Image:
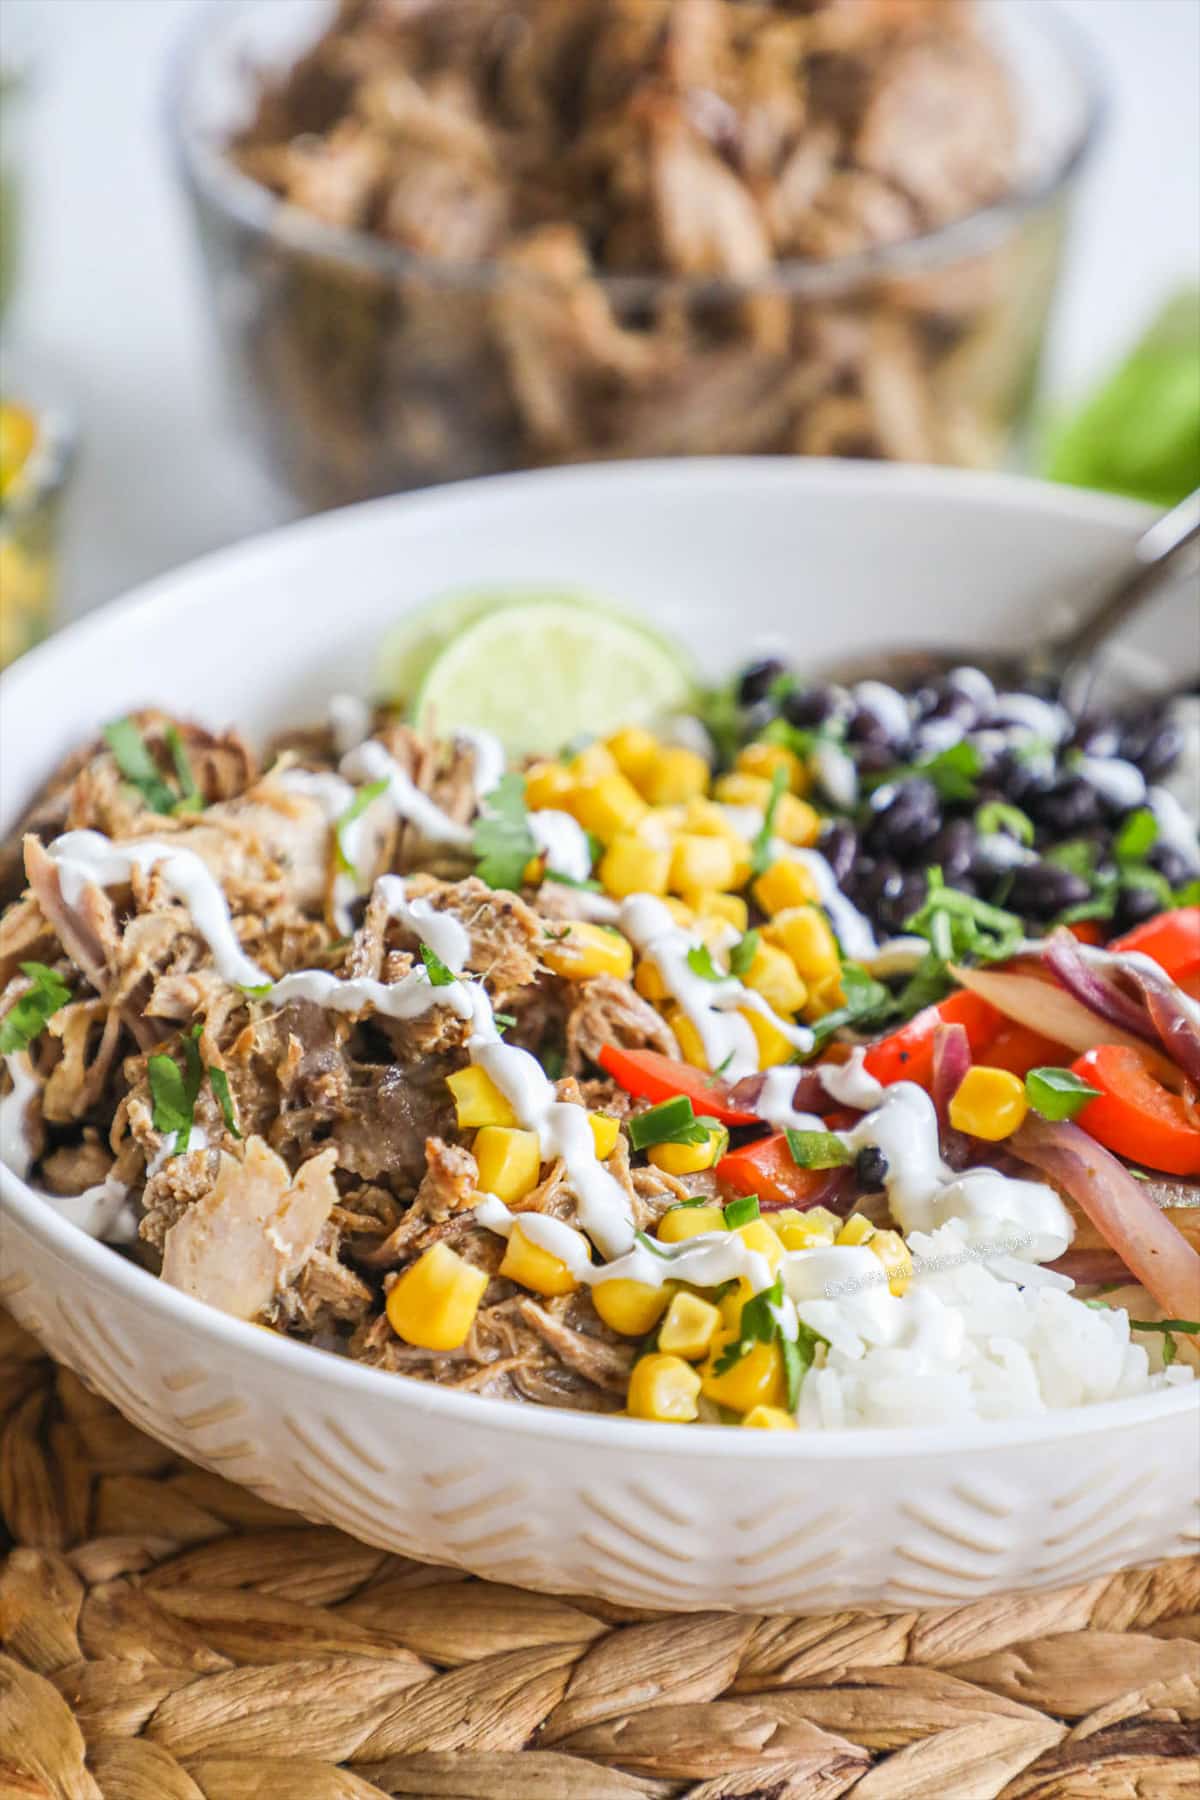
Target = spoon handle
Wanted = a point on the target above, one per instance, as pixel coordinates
(1154, 555)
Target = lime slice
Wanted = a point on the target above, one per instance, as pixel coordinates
(543, 672)
(414, 643)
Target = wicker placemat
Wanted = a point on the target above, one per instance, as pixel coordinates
(167, 1636)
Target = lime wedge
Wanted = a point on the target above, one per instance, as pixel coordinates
(541, 672)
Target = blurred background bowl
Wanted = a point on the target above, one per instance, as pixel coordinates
(359, 368)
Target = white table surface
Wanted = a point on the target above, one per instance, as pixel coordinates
(111, 302)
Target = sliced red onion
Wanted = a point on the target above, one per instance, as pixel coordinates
(951, 1060)
(1177, 1031)
(809, 1095)
(1097, 991)
(1153, 1249)
(1090, 1267)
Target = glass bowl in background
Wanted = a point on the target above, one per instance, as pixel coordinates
(36, 443)
(360, 368)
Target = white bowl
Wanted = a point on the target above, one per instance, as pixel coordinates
(823, 557)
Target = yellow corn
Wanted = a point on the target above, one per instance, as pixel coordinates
(689, 1159)
(769, 1418)
(825, 995)
(608, 807)
(633, 750)
(691, 1044)
(605, 1132)
(772, 973)
(663, 1387)
(478, 1100)
(699, 863)
(681, 1222)
(804, 932)
(773, 1046)
(731, 909)
(756, 1379)
(586, 950)
(630, 1307)
(811, 1230)
(689, 1326)
(857, 1230)
(783, 886)
(680, 911)
(433, 1304)
(795, 821)
(893, 1253)
(706, 818)
(743, 790)
(632, 866)
(675, 776)
(649, 982)
(547, 785)
(592, 763)
(530, 1266)
(990, 1103)
(764, 759)
(731, 1303)
(509, 1160)
(757, 1235)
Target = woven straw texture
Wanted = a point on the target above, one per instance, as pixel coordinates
(167, 1636)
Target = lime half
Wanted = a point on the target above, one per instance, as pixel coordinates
(542, 672)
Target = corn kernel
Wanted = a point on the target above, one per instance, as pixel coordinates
(691, 1044)
(547, 785)
(607, 807)
(783, 886)
(659, 824)
(649, 982)
(731, 1303)
(689, 1326)
(990, 1103)
(632, 866)
(772, 973)
(605, 1132)
(858, 1229)
(769, 1418)
(796, 822)
(586, 950)
(804, 932)
(731, 909)
(701, 862)
(756, 1379)
(676, 775)
(763, 759)
(530, 1266)
(592, 763)
(663, 1387)
(477, 1099)
(434, 1302)
(743, 790)
(773, 1046)
(630, 1307)
(811, 1230)
(681, 1222)
(756, 1234)
(895, 1256)
(825, 995)
(689, 1159)
(509, 1161)
(633, 750)
(680, 911)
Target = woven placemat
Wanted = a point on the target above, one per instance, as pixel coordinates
(167, 1636)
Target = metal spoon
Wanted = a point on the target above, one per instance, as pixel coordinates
(1070, 658)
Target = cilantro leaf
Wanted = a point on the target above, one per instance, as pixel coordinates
(743, 953)
(817, 1149)
(1058, 1094)
(1137, 836)
(357, 807)
(998, 816)
(173, 1091)
(218, 1080)
(137, 765)
(760, 849)
(190, 798)
(700, 962)
(435, 968)
(954, 771)
(798, 1354)
(867, 1002)
(26, 1018)
(503, 843)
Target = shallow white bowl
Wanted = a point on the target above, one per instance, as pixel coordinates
(822, 557)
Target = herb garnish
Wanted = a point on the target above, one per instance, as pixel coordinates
(817, 1149)
(572, 881)
(1058, 1094)
(743, 953)
(670, 1122)
(760, 1325)
(218, 1080)
(714, 1080)
(137, 764)
(1191, 1327)
(999, 816)
(867, 1002)
(959, 928)
(355, 810)
(26, 1018)
(503, 843)
(954, 771)
(742, 1212)
(700, 962)
(760, 848)
(1137, 836)
(174, 1091)
(439, 975)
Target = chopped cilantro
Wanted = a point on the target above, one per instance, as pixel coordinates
(355, 810)
(1137, 836)
(439, 975)
(219, 1083)
(504, 1020)
(760, 1325)
(954, 771)
(998, 815)
(714, 1080)
(700, 962)
(670, 1122)
(27, 1017)
(503, 843)
(190, 798)
(760, 849)
(648, 1243)
(867, 1003)
(553, 1062)
(136, 763)
(173, 1091)
(959, 925)
(1058, 1094)
(1076, 855)
(817, 1149)
(743, 954)
(572, 881)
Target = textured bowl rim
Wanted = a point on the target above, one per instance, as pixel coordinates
(208, 173)
(103, 1268)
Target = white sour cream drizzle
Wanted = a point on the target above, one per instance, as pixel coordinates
(774, 1102)
(16, 1150)
(490, 759)
(852, 929)
(335, 797)
(102, 1211)
(349, 721)
(371, 762)
(197, 1140)
(563, 842)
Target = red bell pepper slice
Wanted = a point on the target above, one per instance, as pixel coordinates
(767, 1168)
(1018, 1049)
(907, 1054)
(1172, 940)
(1135, 1115)
(648, 1075)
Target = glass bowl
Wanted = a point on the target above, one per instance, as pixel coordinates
(36, 446)
(360, 368)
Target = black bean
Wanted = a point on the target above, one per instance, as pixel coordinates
(1154, 745)
(839, 847)
(1019, 778)
(909, 820)
(806, 707)
(1040, 889)
(1096, 735)
(866, 727)
(953, 849)
(953, 703)
(1070, 806)
(1171, 864)
(873, 759)
(757, 680)
(871, 1168)
(890, 895)
(1135, 904)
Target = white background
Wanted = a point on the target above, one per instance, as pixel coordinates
(112, 307)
